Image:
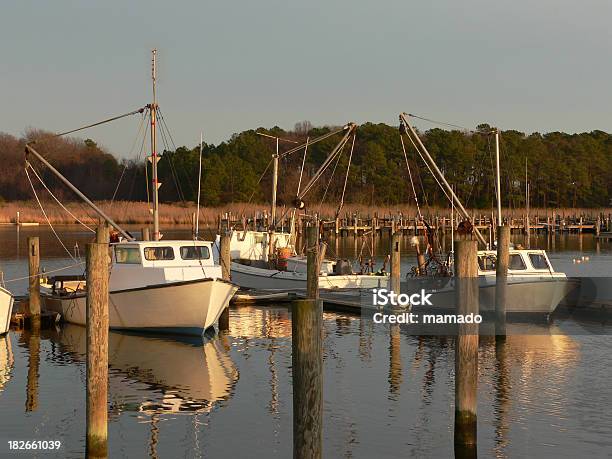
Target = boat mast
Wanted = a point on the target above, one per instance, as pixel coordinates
(274, 186)
(498, 178)
(197, 222)
(154, 158)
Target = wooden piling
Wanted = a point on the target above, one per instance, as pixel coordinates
(34, 282)
(97, 263)
(501, 280)
(466, 348)
(312, 261)
(307, 367)
(225, 258)
(145, 234)
(395, 251)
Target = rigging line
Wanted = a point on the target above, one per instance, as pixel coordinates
(441, 122)
(140, 110)
(144, 138)
(45, 215)
(416, 200)
(302, 169)
(348, 168)
(330, 179)
(57, 200)
(80, 263)
(430, 170)
(165, 125)
(167, 154)
(125, 166)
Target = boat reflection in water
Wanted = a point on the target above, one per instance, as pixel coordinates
(161, 374)
(6, 360)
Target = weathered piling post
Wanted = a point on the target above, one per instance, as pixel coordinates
(97, 263)
(145, 234)
(501, 280)
(312, 262)
(225, 259)
(466, 348)
(34, 282)
(598, 225)
(307, 360)
(396, 252)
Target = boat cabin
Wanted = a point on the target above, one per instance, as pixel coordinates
(521, 262)
(157, 262)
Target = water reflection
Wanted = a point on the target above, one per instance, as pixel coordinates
(6, 360)
(155, 375)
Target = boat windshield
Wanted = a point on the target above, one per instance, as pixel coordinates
(487, 262)
(128, 255)
(193, 252)
(159, 253)
(538, 261)
(516, 262)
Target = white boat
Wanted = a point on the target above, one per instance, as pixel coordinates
(167, 286)
(6, 309)
(533, 285)
(157, 286)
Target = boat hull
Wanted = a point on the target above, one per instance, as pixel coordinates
(251, 277)
(524, 295)
(181, 307)
(6, 309)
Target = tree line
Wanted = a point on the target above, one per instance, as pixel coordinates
(563, 170)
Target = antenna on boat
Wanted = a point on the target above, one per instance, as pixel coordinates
(197, 222)
(154, 158)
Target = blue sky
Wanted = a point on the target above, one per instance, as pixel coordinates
(226, 66)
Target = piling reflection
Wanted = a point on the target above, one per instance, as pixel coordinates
(6, 360)
(155, 375)
(31, 340)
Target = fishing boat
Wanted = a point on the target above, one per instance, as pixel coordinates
(157, 286)
(6, 309)
(269, 260)
(533, 285)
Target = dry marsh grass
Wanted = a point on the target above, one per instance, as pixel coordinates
(125, 212)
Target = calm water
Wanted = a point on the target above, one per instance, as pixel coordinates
(386, 393)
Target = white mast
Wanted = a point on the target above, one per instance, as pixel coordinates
(197, 222)
(498, 188)
(154, 159)
(274, 186)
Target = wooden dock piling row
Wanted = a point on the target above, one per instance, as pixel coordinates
(543, 221)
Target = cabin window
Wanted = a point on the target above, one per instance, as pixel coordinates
(195, 252)
(538, 261)
(158, 253)
(516, 262)
(127, 255)
(487, 262)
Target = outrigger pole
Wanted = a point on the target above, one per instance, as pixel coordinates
(100, 212)
(442, 182)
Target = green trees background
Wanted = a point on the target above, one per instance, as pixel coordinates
(564, 170)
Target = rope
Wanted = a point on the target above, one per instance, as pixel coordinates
(348, 168)
(57, 200)
(47, 218)
(140, 110)
(129, 154)
(302, 169)
(440, 122)
(416, 200)
(46, 272)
